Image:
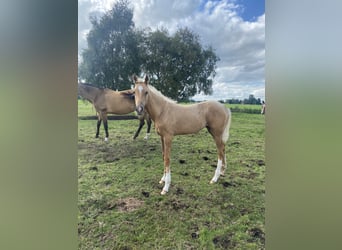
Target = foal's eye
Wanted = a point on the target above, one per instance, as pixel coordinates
(146, 93)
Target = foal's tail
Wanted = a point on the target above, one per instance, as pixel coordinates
(225, 134)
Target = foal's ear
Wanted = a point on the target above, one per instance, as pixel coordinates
(146, 80)
(134, 78)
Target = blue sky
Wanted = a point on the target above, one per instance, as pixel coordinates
(252, 9)
(234, 28)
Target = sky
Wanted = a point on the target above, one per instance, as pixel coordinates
(235, 29)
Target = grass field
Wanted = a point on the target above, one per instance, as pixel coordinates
(120, 206)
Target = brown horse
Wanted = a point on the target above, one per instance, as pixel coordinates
(107, 101)
(172, 119)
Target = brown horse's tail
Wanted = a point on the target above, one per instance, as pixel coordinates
(225, 134)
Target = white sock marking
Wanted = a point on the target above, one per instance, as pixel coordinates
(167, 182)
(225, 165)
(106, 138)
(162, 180)
(217, 171)
(147, 136)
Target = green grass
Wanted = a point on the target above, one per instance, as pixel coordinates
(245, 108)
(85, 108)
(193, 214)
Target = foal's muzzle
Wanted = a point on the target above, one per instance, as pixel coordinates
(140, 109)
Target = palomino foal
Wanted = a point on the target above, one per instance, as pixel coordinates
(172, 119)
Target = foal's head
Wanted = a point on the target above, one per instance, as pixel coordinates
(141, 94)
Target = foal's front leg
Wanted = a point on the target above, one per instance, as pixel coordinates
(148, 133)
(166, 146)
(141, 124)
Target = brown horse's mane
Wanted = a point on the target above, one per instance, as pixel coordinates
(128, 94)
(91, 85)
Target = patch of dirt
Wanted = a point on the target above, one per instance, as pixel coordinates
(235, 143)
(94, 168)
(126, 204)
(228, 184)
(179, 191)
(260, 163)
(125, 248)
(195, 232)
(195, 235)
(224, 241)
(244, 211)
(107, 182)
(252, 175)
(256, 233)
(146, 194)
(249, 175)
(112, 159)
(248, 165)
(177, 204)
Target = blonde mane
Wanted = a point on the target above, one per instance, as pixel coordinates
(158, 93)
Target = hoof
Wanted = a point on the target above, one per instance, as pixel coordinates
(106, 139)
(163, 192)
(212, 182)
(161, 182)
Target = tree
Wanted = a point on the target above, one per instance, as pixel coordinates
(112, 55)
(252, 100)
(233, 101)
(179, 66)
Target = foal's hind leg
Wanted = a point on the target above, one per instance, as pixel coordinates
(162, 180)
(98, 127)
(105, 124)
(221, 161)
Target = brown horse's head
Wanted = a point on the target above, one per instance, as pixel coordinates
(141, 94)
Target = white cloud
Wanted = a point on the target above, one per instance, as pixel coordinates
(239, 44)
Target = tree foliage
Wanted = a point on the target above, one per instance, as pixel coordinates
(252, 100)
(178, 65)
(112, 51)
